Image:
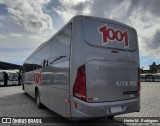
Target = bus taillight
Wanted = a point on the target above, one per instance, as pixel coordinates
(79, 90)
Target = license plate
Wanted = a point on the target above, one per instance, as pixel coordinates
(116, 109)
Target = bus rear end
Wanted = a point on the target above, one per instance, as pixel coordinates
(107, 80)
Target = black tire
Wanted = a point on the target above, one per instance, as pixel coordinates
(110, 117)
(5, 84)
(22, 86)
(24, 89)
(38, 102)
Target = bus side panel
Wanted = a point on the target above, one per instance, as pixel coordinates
(56, 87)
(51, 62)
(29, 85)
(56, 100)
(77, 55)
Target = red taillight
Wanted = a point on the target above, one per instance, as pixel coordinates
(79, 90)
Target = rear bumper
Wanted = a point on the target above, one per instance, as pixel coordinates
(85, 109)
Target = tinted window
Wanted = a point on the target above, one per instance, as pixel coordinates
(41, 58)
(149, 77)
(60, 45)
(29, 65)
(157, 76)
(142, 77)
(13, 76)
(56, 50)
(1, 77)
(37, 61)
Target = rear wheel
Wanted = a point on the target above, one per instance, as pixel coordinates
(110, 117)
(38, 102)
(24, 89)
(22, 86)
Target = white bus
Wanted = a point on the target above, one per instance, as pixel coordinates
(143, 77)
(1, 78)
(149, 77)
(10, 77)
(90, 68)
(157, 77)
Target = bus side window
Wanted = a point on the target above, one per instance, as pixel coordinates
(29, 65)
(61, 42)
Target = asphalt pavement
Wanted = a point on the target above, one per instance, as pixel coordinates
(15, 103)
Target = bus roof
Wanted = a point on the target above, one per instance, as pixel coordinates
(9, 71)
(156, 74)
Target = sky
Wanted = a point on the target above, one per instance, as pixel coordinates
(25, 25)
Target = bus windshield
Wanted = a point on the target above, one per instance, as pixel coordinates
(142, 76)
(13, 76)
(157, 76)
(1, 77)
(149, 76)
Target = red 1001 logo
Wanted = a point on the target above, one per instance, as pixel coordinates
(37, 77)
(113, 34)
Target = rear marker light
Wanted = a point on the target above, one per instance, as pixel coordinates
(90, 99)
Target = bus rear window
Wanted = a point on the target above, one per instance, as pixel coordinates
(107, 34)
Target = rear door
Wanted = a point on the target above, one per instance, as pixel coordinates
(112, 66)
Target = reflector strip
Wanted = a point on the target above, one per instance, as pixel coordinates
(92, 99)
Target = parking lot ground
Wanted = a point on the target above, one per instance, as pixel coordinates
(15, 103)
